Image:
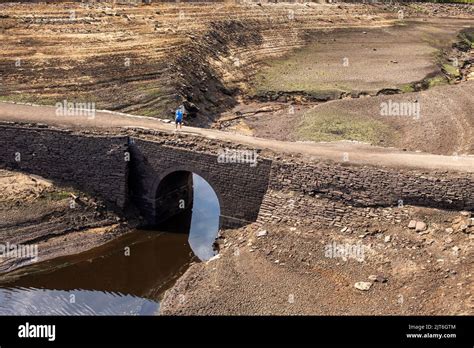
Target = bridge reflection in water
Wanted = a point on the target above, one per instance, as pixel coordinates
(127, 276)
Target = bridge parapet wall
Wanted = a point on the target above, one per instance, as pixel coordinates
(93, 164)
(368, 186)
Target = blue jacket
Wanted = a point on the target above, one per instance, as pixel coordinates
(179, 115)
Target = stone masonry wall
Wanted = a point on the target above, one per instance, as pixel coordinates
(336, 195)
(291, 208)
(93, 164)
(367, 186)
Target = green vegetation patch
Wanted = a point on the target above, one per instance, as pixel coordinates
(295, 72)
(451, 70)
(437, 81)
(407, 88)
(152, 101)
(56, 195)
(317, 126)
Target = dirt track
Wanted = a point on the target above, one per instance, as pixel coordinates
(356, 152)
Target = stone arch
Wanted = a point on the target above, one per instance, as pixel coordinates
(183, 168)
(155, 191)
(239, 187)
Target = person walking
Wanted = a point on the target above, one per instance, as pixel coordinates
(179, 117)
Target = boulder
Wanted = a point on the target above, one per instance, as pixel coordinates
(420, 226)
(363, 286)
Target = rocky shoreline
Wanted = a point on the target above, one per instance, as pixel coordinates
(400, 261)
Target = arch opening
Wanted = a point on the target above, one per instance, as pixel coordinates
(186, 203)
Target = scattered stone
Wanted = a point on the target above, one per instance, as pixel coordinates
(261, 233)
(420, 226)
(412, 224)
(364, 286)
(387, 239)
(466, 213)
(449, 230)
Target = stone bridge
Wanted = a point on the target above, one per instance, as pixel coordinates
(127, 171)
(239, 187)
(150, 169)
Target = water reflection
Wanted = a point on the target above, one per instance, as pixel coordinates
(30, 301)
(127, 276)
(205, 219)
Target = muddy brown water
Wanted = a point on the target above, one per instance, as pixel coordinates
(127, 276)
